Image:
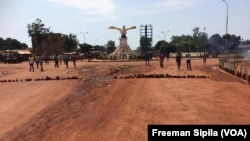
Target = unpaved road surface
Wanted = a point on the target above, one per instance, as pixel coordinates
(102, 105)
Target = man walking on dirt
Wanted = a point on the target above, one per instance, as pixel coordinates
(188, 60)
(40, 59)
(178, 60)
(73, 58)
(56, 59)
(31, 63)
(66, 60)
(161, 59)
(204, 58)
(146, 56)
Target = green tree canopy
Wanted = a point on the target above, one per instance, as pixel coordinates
(145, 44)
(11, 44)
(159, 44)
(38, 32)
(85, 48)
(37, 28)
(69, 43)
(110, 46)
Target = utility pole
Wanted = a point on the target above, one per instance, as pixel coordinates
(84, 35)
(226, 25)
(164, 33)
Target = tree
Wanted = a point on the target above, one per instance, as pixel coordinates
(196, 39)
(199, 42)
(158, 45)
(178, 41)
(37, 28)
(38, 33)
(69, 43)
(145, 44)
(110, 46)
(196, 32)
(11, 44)
(217, 44)
(233, 41)
(24, 46)
(100, 48)
(203, 41)
(15, 44)
(164, 48)
(85, 48)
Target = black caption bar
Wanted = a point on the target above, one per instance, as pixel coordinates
(199, 132)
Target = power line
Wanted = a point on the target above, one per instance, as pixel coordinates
(238, 12)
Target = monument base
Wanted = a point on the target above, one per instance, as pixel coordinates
(123, 51)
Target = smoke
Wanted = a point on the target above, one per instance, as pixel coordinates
(216, 46)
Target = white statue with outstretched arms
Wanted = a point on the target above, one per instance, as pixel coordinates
(122, 30)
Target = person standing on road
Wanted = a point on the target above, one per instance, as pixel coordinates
(66, 59)
(73, 58)
(61, 59)
(36, 58)
(167, 56)
(188, 60)
(31, 63)
(178, 60)
(161, 59)
(41, 62)
(146, 56)
(204, 58)
(56, 59)
(47, 59)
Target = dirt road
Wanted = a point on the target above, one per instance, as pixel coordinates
(100, 107)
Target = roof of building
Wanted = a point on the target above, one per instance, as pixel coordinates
(20, 51)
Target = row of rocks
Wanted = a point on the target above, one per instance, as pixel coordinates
(41, 79)
(161, 76)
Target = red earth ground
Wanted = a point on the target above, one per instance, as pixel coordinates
(102, 105)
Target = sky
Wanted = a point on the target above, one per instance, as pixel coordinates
(89, 19)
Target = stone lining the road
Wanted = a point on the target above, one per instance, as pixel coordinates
(47, 78)
(160, 76)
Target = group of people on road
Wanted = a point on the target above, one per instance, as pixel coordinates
(39, 59)
(178, 60)
(66, 59)
(188, 60)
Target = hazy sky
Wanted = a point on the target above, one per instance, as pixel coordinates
(95, 16)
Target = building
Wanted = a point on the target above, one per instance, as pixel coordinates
(14, 56)
(47, 44)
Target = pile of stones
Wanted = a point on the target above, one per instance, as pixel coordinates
(47, 78)
(160, 76)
